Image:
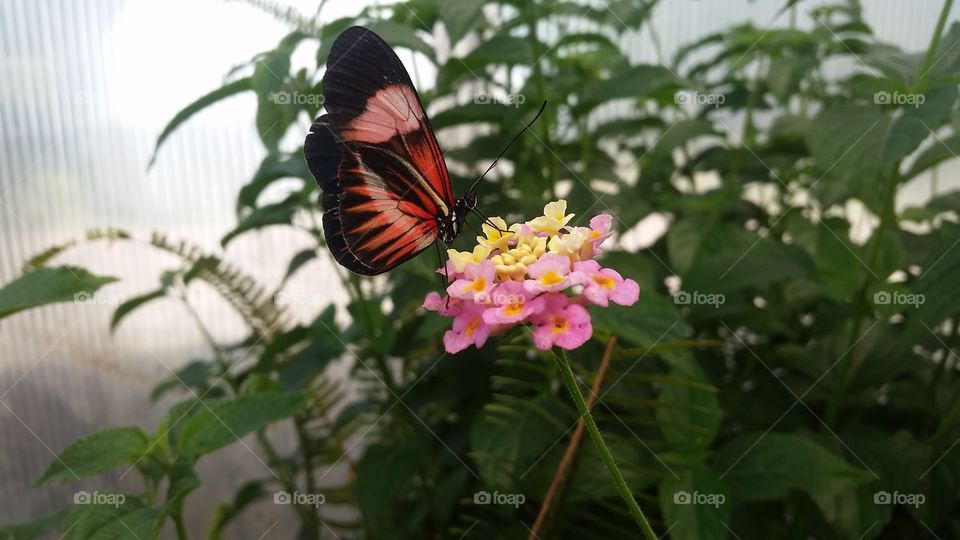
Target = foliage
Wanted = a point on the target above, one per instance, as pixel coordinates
(797, 376)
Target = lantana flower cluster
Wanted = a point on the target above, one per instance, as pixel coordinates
(542, 273)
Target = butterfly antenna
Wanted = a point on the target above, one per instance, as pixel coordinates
(517, 136)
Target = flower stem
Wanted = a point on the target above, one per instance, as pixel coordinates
(564, 365)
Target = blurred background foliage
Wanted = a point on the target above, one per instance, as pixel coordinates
(802, 392)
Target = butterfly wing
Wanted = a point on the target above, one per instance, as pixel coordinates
(376, 159)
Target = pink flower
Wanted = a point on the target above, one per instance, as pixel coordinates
(600, 229)
(550, 274)
(512, 304)
(468, 329)
(442, 305)
(561, 323)
(600, 285)
(476, 283)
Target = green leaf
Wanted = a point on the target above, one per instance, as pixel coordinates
(768, 466)
(696, 505)
(224, 423)
(939, 151)
(653, 319)
(272, 214)
(98, 453)
(273, 167)
(47, 286)
(183, 480)
(132, 304)
(459, 16)
(505, 443)
(109, 522)
(385, 472)
(865, 142)
(403, 36)
(688, 415)
(33, 528)
(225, 91)
(194, 375)
(297, 261)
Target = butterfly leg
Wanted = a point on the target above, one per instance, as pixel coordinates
(488, 222)
(443, 264)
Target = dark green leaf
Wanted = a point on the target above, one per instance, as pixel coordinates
(224, 423)
(47, 286)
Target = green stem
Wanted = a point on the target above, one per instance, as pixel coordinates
(181, 527)
(848, 367)
(564, 365)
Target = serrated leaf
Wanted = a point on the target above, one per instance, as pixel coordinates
(48, 286)
(224, 423)
(108, 522)
(98, 453)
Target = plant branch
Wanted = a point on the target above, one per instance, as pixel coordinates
(564, 365)
(563, 470)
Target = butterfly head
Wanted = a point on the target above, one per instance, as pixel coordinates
(452, 223)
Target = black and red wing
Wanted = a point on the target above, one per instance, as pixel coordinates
(376, 159)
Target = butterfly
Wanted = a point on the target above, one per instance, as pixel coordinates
(386, 191)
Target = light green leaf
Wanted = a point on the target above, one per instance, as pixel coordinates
(98, 453)
(216, 426)
(225, 91)
(459, 16)
(47, 286)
